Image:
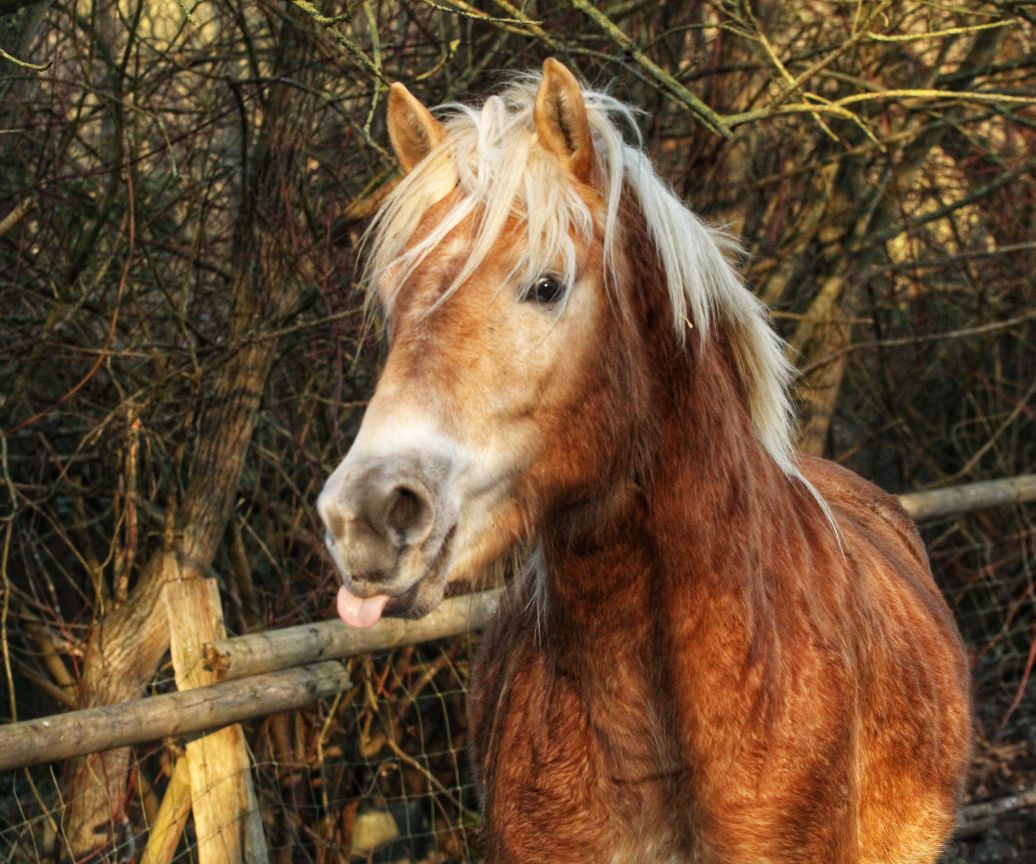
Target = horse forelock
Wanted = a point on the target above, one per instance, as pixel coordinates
(492, 169)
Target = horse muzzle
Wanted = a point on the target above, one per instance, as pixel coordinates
(389, 526)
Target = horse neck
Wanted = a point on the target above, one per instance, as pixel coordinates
(696, 528)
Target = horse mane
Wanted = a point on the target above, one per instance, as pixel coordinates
(490, 154)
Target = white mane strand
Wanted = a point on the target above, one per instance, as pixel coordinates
(491, 155)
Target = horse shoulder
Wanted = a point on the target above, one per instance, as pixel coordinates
(849, 494)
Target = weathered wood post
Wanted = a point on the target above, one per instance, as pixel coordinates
(226, 813)
(172, 817)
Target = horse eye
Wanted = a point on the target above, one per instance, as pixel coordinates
(545, 290)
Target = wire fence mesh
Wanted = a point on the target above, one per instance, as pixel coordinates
(988, 579)
(378, 773)
(990, 585)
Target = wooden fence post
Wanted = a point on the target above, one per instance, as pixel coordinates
(226, 813)
(164, 835)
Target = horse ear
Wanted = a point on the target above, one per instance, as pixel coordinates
(561, 122)
(412, 129)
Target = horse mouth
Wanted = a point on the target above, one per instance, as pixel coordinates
(364, 610)
(407, 605)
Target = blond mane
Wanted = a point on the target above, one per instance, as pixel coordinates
(491, 154)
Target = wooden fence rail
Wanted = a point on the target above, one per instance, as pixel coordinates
(256, 653)
(275, 682)
(276, 671)
(91, 730)
(969, 496)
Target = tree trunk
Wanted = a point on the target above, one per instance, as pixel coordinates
(852, 213)
(126, 645)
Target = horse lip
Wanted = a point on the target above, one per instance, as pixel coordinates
(408, 604)
(403, 605)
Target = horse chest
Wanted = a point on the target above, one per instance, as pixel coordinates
(571, 778)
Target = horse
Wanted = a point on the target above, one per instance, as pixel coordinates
(716, 650)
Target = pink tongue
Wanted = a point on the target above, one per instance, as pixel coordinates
(360, 612)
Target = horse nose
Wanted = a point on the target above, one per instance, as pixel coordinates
(372, 515)
(400, 512)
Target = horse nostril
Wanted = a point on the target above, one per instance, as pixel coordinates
(408, 514)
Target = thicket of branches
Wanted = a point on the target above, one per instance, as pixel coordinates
(182, 356)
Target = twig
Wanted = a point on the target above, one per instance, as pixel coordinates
(946, 209)
(1022, 684)
(711, 119)
(43, 67)
(109, 339)
(907, 341)
(16, 215)
(792, 84)
(465, 10)
(532, 26)
(951, 260)
(937, 34)
(330, 24)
